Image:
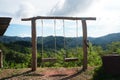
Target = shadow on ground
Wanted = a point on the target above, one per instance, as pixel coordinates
(30, 73)
(74, 75)
(27, 73)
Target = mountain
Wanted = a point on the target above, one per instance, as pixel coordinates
(8, 39)
(106, 39)
(49, 42)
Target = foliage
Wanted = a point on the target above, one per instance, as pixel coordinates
(94, 57)
(114, 47)
(18, 55)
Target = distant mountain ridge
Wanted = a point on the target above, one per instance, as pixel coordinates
(106, 39)
(70, 42)
(8, 39)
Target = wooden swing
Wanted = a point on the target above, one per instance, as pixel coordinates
(66, 58)
(49, 59)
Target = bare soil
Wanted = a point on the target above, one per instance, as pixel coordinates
(46, 74)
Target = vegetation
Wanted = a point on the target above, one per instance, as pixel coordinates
(18, 55)
(17, 51)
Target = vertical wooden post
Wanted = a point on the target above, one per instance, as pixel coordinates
(34, 45)
(85, 52)
(1, 59)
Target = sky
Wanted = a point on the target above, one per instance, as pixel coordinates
(107, 13)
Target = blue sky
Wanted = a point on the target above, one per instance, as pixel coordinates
(107, 13)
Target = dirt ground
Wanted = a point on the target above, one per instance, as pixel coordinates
(46, 74)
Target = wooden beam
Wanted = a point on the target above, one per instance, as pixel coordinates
(85, 52)
(59, 17)
(34, 45)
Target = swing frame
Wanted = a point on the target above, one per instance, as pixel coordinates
(34, 39)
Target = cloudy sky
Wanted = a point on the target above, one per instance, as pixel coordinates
(107, 13)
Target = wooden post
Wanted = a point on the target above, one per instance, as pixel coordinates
(1, 59)
(34, 45)
(85, 52)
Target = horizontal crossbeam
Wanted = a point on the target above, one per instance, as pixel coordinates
(59, 17)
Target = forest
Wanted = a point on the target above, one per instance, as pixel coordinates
(17, 53)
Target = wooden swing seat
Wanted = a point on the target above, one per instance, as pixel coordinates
(49, 59)
(70, 59)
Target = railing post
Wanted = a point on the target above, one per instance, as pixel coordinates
(1, 59)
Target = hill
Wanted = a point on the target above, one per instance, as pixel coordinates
(106, 39)
(49, 41)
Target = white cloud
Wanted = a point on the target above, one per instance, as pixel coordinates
(26, 10)
(107, 13)
(70, 7)
(108, 18)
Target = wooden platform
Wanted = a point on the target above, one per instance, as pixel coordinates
(70, 59)
(49, 59)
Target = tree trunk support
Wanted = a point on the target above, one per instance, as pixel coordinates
(85, 51)
(34, 45)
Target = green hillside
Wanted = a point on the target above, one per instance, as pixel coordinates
(17, 50)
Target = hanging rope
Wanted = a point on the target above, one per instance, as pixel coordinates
(55, 34)
(76, 36)
(42, 37)
(65, 55)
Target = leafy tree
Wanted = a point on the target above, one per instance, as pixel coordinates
(113, 47)
(94, 58)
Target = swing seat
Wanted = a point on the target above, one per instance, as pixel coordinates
(70, 59)
(49, 59)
